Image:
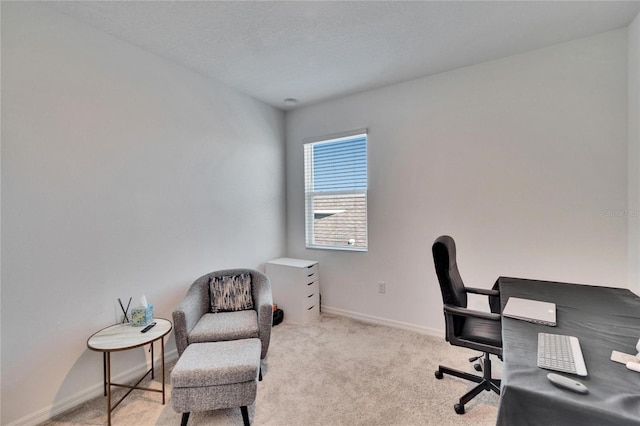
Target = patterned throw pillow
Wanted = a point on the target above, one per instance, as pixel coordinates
(231, 293)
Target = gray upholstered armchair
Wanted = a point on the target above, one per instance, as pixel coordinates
(195, 319)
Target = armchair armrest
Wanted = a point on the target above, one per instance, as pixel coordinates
(194, 305)
(464, 312)
(263, 301)
(452, 311)
(494, 297)
(483, 291)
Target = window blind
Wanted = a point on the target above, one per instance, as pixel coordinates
(336, 193)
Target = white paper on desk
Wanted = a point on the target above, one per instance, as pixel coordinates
(622, 358)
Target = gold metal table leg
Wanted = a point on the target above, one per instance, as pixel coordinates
(108, 376)
(104, 372)
(162, 351)
(152, 365)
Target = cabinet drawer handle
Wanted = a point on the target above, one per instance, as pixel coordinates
(310, 296)
(311, 283)
(308, 309)
(310, 275)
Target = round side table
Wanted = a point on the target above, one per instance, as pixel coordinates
(122, 337)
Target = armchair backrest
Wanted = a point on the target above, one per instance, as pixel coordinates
(197, 302)
(258, 279)
(451, 285)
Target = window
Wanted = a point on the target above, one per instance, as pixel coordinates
(335, 174)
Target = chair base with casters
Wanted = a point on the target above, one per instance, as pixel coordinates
(485, 383)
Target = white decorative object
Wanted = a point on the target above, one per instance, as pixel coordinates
(142, 315)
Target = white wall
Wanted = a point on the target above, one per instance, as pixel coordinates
(122, 174)
(522, 160)
(633, 41)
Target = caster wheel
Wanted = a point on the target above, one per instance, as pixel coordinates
(439, 375)
(459, 408)
(477, 367)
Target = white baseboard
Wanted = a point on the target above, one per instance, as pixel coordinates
(383, 321)
(96, 390)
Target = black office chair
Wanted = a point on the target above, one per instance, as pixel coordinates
(481, 331)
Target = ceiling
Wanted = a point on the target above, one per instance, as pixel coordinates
(316, 50)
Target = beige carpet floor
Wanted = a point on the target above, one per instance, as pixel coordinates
(335, 371)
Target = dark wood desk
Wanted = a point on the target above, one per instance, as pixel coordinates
(603, 319)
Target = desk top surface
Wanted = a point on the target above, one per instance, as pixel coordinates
(124, 336)
(603, 319)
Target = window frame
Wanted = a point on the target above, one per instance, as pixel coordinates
(310, 196)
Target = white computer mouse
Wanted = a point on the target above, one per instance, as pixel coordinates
(634, 366)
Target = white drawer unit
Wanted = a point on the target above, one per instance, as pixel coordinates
(295, 284)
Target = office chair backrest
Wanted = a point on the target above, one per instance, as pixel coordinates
(451, 285)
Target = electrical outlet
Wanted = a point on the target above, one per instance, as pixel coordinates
(382, 287)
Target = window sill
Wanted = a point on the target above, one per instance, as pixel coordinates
(354, 249)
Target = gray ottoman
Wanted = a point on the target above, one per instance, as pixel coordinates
(210, 376)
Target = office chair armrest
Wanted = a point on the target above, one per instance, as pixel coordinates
(464, 312)
(493, 295)
(483, 291)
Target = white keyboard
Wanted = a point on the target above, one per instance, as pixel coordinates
(561, 353)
